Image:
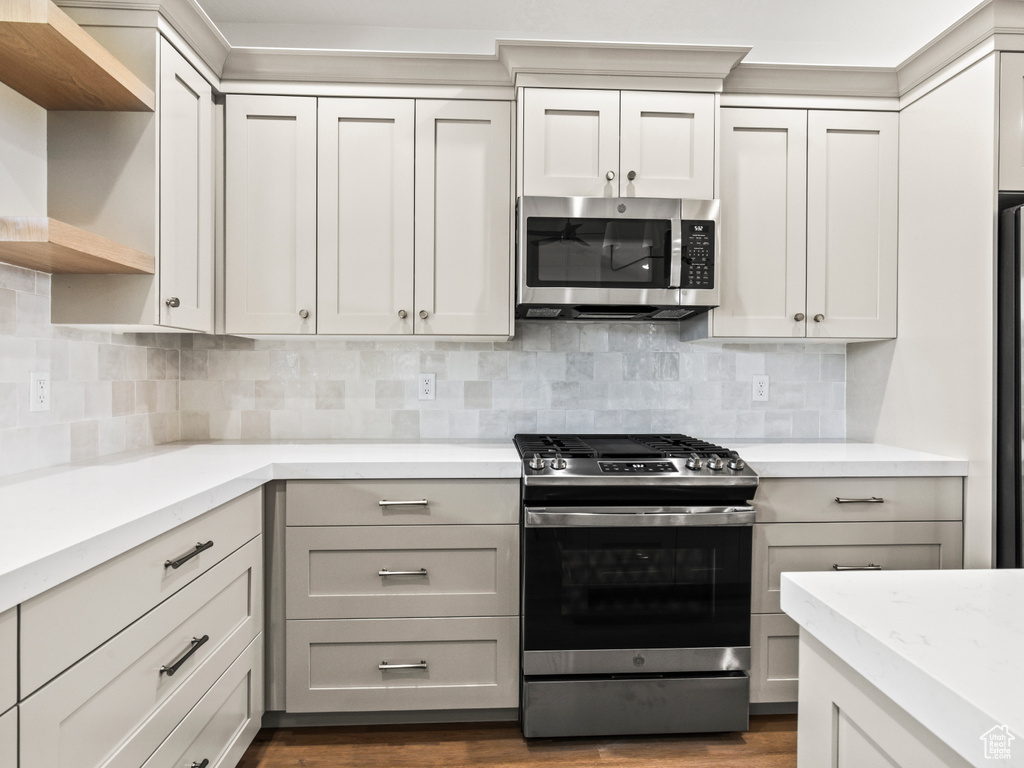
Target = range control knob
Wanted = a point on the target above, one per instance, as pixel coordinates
(715, 463)
(694, 462)
(736, 464)
(536, 462)
(558, 462)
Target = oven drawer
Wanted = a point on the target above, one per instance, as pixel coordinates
(821, 546)
(806, 500)
(774, 658)
(65, 623)
(116, 706)
(445, 570)
(359, 502)
(456, 663)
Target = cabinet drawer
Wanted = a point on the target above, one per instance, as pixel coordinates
(225, 720)
(9, 738)
(774, 658)
(334, 666)
(65, 623)
(8, 659)
(818, 547)
(445, 570)
(903, 498)
(117, 705)
(373, 502)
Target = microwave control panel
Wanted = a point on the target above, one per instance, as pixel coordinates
(698, 254)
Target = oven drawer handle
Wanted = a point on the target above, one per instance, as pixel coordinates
(384, 573)
(200, 547)
(626, 517)
(871, 500)
(409, 503)
(868, 567)
(384, 666)
(197, 643)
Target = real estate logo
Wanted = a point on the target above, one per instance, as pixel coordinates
(996, 743)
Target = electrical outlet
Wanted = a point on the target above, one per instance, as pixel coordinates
(39, 391)
(760, 387)
(426, 386)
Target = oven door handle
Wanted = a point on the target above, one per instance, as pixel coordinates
(628, 517)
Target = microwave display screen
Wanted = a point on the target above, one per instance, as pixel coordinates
(598, 252)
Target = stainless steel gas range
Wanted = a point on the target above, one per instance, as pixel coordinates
(636, 559)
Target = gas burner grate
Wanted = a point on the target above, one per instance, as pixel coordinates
(682, 445)
(548, 445)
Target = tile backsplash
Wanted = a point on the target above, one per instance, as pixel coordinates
(113, 392)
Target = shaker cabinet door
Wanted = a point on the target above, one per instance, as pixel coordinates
(463, 218)
(764, 220)
(365, 216)
(186, 194)
(852, 177)
(270, 227)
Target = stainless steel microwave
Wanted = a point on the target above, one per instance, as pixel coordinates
(629, 258)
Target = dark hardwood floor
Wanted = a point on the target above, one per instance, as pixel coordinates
(770, 743)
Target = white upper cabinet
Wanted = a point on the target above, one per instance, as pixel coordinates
(270, 220)
(463, 218)
(368, 216)
(809, 225)
(595, 143)
(365, 216)
(144, 180)
(1011, 122)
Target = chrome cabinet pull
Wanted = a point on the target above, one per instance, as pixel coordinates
(799, 317)
(174, 302)
(403, 314)
(408, 503)
(203, 764)
(384, 572)
(186, 557)
(868, 567)
(424, 314)
(870, 500)
(631, 175)
(610, 175)
(385, 666)
(819, 317)
(197, 643)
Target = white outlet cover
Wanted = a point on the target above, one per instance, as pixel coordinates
(39, 391)
(759, 388)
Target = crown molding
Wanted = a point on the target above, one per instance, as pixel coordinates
(791, 79)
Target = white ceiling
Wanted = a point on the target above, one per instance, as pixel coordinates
(870, 33)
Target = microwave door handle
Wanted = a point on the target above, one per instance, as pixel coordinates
(676, 267)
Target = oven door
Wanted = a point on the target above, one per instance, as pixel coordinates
(606, 594)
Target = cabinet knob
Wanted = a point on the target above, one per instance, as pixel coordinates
(610, 175)
(424, 314)
(403, 314)
(818, 318)
(303, 313)
(631, 175)
(799, 317)
(173, 302)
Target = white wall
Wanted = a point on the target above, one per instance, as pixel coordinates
(933, 388)
(22, 155)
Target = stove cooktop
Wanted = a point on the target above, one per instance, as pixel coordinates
(602, 446)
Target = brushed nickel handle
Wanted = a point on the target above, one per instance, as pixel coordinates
(203, 764)
(173, 302)
(403, 314)
(384, 573)
(197, 643)
(868, 567)
(631, 175)
(303, 313)
(424, 314)
(819, 317)
(385, 666)
(799, 317)
(409, 503)
(610, 175)
(176, 564)
(870, 500)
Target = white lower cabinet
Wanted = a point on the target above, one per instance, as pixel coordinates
(8, 659)
(821, 524)
(9, 738)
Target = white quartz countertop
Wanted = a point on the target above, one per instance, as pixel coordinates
(946, 646)
(61, 522)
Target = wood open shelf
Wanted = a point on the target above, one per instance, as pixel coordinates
(47, 57)
(48, 245)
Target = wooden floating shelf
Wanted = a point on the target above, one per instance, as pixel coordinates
(48, 245)
(47, 57)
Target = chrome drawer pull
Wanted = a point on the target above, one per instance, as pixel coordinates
(197, 643)
(410, 503)
(203, 764)
(384, 573)
(872, 500)
(185, 558)
(384, 666)
(868, 567)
